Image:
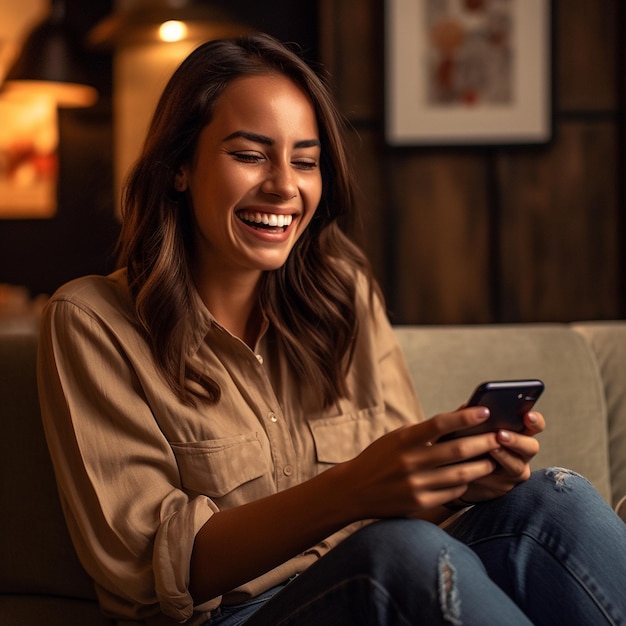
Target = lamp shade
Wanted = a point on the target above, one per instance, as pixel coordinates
(50, 62)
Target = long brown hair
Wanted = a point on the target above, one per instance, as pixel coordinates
(310, 300)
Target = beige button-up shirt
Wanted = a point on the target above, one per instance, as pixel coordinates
(140, 473)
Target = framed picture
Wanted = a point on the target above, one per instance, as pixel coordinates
(462, 72)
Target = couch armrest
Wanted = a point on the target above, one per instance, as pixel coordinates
(608, 342)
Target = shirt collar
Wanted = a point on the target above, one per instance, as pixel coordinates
(202, 323)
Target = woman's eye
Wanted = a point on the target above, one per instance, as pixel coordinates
(247, 157)
(305, 165)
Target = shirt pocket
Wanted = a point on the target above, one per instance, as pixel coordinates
(342, 437)
(219, 466)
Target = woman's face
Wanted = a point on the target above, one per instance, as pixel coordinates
(255, 181)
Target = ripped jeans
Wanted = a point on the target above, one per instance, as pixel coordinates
(549, 552)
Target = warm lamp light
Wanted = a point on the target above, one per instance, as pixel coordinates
(173, 30)
(28, 156)
(151, 21)
(49, 63)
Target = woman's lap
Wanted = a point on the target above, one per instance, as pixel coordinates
(546, 538)
(392, 572)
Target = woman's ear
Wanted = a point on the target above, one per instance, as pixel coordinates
(180, 182)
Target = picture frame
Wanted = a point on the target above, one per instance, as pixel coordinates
(468, 72)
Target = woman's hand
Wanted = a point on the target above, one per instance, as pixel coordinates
(513, 458)
(408, 471)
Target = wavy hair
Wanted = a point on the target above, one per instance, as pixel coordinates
(310, 300)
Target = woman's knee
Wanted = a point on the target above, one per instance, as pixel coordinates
(414, 565)
(399, 538)
(552, 497)
(404, 548)
(558, 488)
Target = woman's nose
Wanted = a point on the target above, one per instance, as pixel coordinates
(281, 182)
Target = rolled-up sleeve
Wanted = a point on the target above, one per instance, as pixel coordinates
(131, 522)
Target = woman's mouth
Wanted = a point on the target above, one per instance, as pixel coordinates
(265, 221)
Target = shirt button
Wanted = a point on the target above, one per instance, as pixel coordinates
(288, 470)
(273, 417)
(259, 358)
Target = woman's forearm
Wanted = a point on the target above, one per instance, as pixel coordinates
(266, 533)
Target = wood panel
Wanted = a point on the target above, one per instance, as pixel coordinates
(352, 51)
(559, 228)
(586, 54)
(441, 234)
(373, 229)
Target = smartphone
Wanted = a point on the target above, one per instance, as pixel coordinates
(507, 400)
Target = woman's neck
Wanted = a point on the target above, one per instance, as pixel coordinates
(234, 303)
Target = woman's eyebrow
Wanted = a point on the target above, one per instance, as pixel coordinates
(255, 137)
(268, 141)
(308, 143)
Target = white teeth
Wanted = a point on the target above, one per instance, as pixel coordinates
(269, 219)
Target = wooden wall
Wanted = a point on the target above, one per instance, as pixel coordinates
(456, 235)
(495, 234)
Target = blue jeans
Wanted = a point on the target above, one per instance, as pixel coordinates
(549, 552)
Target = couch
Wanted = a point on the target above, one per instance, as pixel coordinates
(583, 366)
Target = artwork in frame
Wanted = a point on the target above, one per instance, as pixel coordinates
(463, 72)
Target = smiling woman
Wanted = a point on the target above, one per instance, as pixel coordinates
(256, 164)
(229, 410)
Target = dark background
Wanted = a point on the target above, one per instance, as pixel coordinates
(456, 235)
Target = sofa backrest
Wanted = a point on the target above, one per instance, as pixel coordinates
(447, 362)
(37, 555)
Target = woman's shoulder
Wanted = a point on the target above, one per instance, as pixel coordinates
(97, 295)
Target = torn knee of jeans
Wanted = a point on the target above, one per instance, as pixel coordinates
(448, 591)
(560, 476)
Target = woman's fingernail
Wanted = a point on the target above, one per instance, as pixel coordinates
(532, 418)
(482, 413)
(504, 435)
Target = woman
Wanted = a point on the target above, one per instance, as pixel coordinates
(228, 411)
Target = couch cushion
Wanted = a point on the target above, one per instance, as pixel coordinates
(37, 554)
(50, 611)
(447, 362)
(608, 341)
